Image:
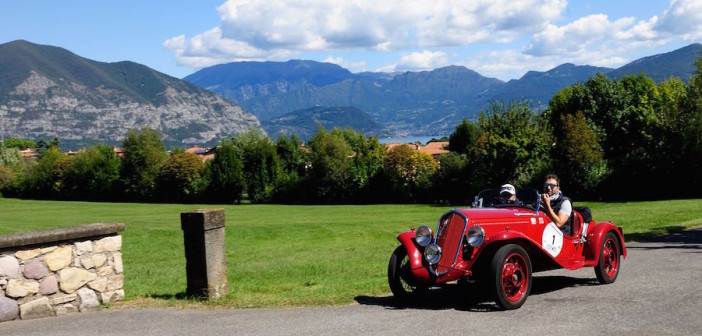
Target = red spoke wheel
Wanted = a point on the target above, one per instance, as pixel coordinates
(402, 282)
(511, 270)
(607, 268)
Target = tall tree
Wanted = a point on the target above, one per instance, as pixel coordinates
(144, 153)
(261, 165)
(180, 177)
(514, 146)
(225, 175)
(410, 172)
(463, 139)
(368, 155)
(330, 178)
(12, 170)
(94, 174)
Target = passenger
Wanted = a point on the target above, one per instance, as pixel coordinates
(508, 195)
(558, 207)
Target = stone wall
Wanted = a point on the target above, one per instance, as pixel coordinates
(62, 271)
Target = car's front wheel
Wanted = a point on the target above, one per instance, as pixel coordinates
(402, 282)
(511, 271)
(607, 268)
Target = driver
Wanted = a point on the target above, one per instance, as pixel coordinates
(558, 207)
(508, 195)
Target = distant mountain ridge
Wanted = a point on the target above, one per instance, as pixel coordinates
(48, 92)
(304, 123)
(410, 103)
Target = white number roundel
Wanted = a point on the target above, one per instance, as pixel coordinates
(552, 239)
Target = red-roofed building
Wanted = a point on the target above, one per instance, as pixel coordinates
(204, 153)
(434, 149)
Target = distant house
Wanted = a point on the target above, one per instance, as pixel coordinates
(118, 151)
(29, 154)
(434, 149)
(209, 154)
(204, 153)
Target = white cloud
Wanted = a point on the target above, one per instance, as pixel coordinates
(584, 35)
(358, 66)
(598, 40)
(425, 60)
(275, 29)
(683, 18)
(499, 38)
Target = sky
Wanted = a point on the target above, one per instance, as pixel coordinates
(497, 38)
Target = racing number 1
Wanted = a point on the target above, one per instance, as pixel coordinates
(554, 239)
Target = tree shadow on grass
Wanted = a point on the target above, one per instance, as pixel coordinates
(471, 297)
(672, 237)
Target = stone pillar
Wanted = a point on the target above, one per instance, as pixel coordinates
(205, 253)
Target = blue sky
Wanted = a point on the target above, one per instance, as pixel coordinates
(497, 38)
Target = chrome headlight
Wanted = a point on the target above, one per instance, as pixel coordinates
(423, 235)
(475, 235)
(432, 253)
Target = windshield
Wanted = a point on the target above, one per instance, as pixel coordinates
(490, 198)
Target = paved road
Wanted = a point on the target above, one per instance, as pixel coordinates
(658, 292)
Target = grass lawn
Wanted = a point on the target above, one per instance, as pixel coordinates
(281, 256)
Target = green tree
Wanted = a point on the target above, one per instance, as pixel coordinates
(450, 182)
(45, 178)
(225, 175)
(330, 178)
(180, 177)
(287, 187)
(290, 155)
(43, 146)
(691, 149)
(410, 172)
(94, 174)
(144, 153)
(20, 143)
(12, 170)
(514, 146)
(578, 156)
(367, 158)
(464, 138)
(261, 166)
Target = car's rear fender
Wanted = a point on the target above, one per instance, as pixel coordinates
(414, 254)
(595, 237)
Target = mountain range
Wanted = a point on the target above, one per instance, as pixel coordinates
(407, 103)
(47, 92)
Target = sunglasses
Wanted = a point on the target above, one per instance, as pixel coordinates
(550, 185)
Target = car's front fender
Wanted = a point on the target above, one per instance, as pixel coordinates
(505, 236)
(414, 254)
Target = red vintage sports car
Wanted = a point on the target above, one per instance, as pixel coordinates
(500, 246)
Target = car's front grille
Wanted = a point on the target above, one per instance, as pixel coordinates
(449, 236)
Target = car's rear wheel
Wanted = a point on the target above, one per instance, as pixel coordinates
(511, 271)
(402, 282)
(607, 268)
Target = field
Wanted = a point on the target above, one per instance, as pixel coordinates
(284, 256)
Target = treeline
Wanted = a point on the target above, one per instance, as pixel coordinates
(620, 139)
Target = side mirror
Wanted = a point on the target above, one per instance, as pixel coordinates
(538, 203)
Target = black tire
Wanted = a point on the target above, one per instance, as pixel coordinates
(608, 266)
(511, 276)
(402, 283)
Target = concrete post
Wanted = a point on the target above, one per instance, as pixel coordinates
(205, 253)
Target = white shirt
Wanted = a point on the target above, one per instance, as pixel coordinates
(566, 208)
